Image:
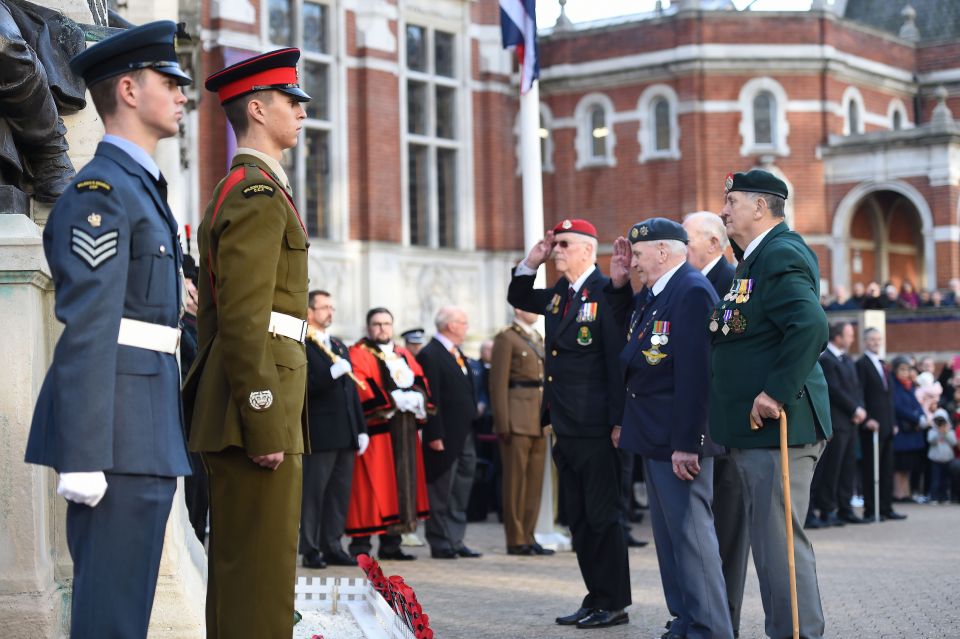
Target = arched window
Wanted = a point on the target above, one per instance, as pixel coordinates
(764, 106)
(897, 121)
(661, 119)
(763, 118)
(853, 111)
(598, 133)
(596, 139)
(897, 114)
(659, 131)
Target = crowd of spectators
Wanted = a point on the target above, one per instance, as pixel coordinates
(873, 296)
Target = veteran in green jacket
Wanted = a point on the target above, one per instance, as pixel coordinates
(768, 331)
(245, 395)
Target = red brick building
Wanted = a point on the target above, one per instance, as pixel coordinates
(408, 168)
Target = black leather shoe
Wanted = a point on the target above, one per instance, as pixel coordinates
(571, 620)
(832, 520)
(313, 560)
(892, 515)
(339, 558)
(851, 518)
(540, 550)
(443, 553)
(463, 551)
(522, 549)
(813, 522)
(633, 542)
(604, 619)
(395, 555)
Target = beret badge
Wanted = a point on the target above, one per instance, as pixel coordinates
(728, 182)
(566, 224)
(634, 233)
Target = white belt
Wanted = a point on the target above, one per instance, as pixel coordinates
(153, 337)
(288, 326)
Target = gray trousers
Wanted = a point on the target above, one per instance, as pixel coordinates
(687, 550)
(732, 535)
(327, 477)
(449, 495)
(763, 500)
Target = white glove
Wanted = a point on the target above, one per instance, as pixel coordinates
(83, 488)
(400, 400)
(340, 367)
(417, 404)
(363, 440)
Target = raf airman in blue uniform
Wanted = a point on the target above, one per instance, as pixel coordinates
(108, 417)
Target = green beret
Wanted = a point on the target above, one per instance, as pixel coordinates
(657, 228)
(755, 181)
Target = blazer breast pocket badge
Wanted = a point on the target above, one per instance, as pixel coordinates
(660, 336)
(584, 336)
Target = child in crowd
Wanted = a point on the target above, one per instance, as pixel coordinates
(942, 441)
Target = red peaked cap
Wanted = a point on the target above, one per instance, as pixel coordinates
(275, 70)
(576, 226)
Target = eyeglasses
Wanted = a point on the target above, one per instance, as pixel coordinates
(564, 243)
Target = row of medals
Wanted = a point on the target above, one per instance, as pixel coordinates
(739, 293)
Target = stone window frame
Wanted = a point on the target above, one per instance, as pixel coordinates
(781, 127)
(853, 98)
(647, 132)
(295, 160)
(584, 140)
(897, 106)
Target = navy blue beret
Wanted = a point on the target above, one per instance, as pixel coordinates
(150, 46)
(656, 229)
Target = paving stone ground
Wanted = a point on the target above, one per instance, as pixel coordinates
(896, 580)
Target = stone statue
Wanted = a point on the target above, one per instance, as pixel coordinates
(36, 87)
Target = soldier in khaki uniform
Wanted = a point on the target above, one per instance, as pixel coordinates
(245, 393)
(516, 390)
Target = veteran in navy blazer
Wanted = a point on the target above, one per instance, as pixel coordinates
(666, 374)
(584, 402)
(108, 417)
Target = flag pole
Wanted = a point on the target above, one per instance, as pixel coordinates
(530, 166)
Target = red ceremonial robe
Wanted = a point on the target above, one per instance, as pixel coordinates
(374, 506)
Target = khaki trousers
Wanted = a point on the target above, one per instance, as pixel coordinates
(523, 460)
(252, 558)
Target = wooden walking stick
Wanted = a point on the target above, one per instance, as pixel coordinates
(788, 516)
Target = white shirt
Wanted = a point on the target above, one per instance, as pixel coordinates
(447, 344)
(324, 338)
(833, 349)
(755, 243)
(709, 267)
(386, 348)
(876, 364)
(664, 279)
(272, 163)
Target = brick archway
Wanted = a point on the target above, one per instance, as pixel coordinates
(843, 219)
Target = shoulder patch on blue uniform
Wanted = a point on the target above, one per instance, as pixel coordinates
(93, 250)
(258, 189)
(92, 185)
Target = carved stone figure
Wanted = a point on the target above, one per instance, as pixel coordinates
(36, 87)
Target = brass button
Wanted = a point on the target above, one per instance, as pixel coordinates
(554, 353)
(550, 378)
(523, 353)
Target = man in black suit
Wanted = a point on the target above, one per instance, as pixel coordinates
(449, 452)
(832, 486)
(705, 251)
(877, 384)
(338, 431)
(583, 400)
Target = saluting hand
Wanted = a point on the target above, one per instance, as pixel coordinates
(270, 462)
(620, 262)
(540, 252)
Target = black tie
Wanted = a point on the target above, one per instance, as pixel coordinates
(571, 292)
(161, 183)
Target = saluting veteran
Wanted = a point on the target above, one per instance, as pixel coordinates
(666, 372)
(583, 401)
(248, 386)
(768, 332)
(108, 415)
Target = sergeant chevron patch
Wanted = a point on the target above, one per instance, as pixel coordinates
(94, 251)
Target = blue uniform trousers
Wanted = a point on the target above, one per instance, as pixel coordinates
(116, 549)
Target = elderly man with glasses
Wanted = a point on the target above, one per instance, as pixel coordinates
(583, 401)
